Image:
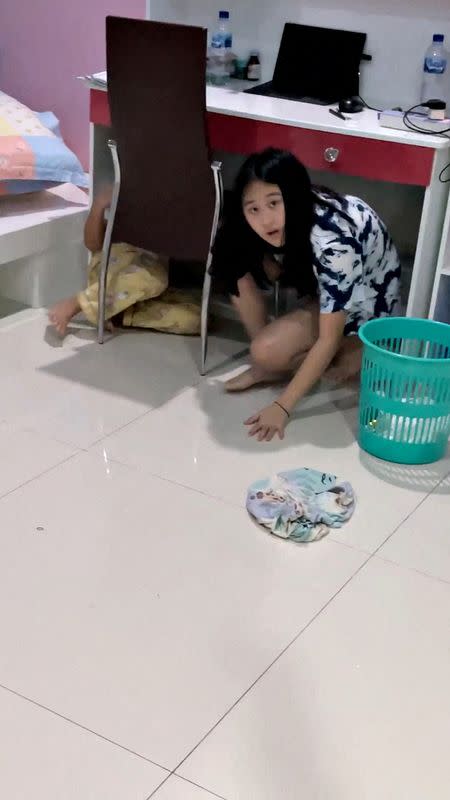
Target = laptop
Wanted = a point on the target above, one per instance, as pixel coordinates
(315, 65)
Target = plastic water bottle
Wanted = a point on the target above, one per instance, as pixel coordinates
(221, 52)
(435, 74)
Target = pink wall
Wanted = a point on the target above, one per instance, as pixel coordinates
(44, 44)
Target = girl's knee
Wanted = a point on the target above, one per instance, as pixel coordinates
(265, 353)
(276, 349)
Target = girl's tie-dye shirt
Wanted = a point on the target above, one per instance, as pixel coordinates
(355, 261)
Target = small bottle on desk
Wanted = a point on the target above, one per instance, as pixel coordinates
(254, 67)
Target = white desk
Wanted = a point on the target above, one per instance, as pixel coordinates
(236, 103)
(243, 123)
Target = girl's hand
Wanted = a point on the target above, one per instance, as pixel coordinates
(268, 422)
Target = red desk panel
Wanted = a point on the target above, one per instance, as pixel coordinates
(368, 158)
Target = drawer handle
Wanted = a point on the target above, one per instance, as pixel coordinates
(331, 155)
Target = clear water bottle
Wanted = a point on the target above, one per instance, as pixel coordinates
(435, 74)
(220, 56)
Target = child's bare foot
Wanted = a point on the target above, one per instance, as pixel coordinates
(61, 314)
(340, 375)
(252, 377)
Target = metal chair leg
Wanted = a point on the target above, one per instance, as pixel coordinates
(216, 167)
(106, 250)
(204, 319)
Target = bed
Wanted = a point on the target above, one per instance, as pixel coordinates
(43, 206)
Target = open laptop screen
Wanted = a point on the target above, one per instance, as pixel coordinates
(317, 62)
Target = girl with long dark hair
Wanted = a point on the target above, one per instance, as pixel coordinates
(333, 249)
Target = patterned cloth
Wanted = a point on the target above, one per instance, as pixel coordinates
(175, 311)
(137, 286)
(302, 504)
(355, 261)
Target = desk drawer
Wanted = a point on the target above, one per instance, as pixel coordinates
(332, 152)
(335, 153)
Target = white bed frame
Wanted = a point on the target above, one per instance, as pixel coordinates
(42, 256)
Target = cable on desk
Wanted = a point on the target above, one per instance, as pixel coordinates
(442, 172)
(366, 105)
(413, 127)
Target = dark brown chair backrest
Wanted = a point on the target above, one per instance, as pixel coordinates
(157, 95)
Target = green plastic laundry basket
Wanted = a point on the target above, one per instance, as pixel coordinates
(405, 389)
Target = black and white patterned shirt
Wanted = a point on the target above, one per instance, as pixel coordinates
(355, 261)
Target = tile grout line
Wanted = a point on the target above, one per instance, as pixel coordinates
(173, 772)
(361, 567)
(230, 504)
(185, 780)
(203, 493)
(269, 667)
(140, 417)
(17, 428)
(82, 727)
(397, 528)
(445, 581)
(198, 380)
(40, 475)
(409, 515)
(98, 441)
(213, 794)
(235, 505)
(152, 794)
(305, 628)
(308, 624)
(196, 491)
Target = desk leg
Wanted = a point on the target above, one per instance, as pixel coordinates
(442, 278)
(429, 241)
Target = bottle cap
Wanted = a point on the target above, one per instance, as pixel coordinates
(224, 15)
(254, 53)
(438, 37)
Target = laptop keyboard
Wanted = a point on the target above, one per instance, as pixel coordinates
(267, 90)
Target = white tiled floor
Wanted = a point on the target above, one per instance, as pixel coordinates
(44, 756)
(154, 643)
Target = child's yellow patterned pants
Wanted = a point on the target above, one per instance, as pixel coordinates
(135, 279)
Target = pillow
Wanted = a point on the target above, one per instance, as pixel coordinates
(33, 155)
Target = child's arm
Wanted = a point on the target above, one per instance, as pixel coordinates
(94, 229)
(273, 419)
(319, 358)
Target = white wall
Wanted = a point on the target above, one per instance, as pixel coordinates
(396, 39)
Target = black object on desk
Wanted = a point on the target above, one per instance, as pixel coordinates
(351, 105)
(337, 114)
(315, 65)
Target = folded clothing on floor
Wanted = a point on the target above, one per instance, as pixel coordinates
(301, 504)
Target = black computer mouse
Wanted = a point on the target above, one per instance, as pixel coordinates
(350, 105)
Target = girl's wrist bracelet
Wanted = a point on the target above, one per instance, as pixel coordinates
(276, 403)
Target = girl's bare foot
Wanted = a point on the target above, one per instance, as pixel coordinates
(345, 368)
(61, 314)
(252, 377)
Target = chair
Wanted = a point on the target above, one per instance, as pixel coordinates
(167, 194)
